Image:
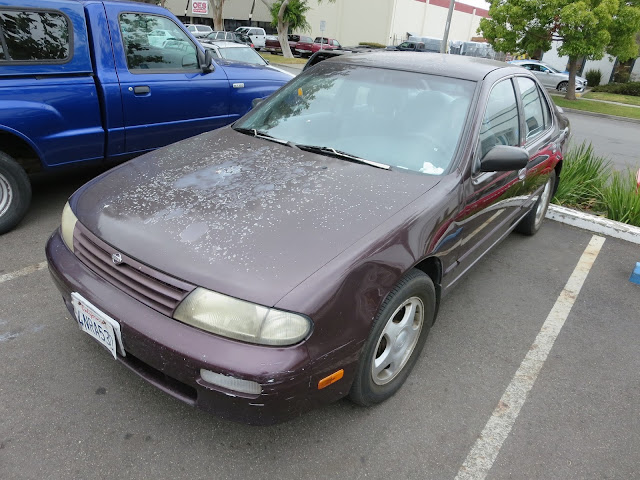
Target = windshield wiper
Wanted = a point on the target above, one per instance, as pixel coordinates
(341, 154)
(264, 135)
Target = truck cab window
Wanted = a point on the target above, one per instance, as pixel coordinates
(176, 52)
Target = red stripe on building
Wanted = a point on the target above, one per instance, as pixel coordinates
(459, 7)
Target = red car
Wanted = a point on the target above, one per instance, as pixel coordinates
(306, 48)
(272, 44)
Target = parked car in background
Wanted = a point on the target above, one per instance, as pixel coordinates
(158, 37)
(304, 45)
(300, 255)
(199, 30)
(409, 46)
(137, 82)
(431, 44)
(272, 43)
(258, 35)
(549, 76)
(475, 49)
(238, 52)
(327, 42)
(320, 43)
(237, 37)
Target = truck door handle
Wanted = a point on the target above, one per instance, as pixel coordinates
(141, 90)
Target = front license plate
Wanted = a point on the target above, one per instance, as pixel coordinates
(97, 324)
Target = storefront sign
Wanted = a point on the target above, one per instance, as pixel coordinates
(200, 7)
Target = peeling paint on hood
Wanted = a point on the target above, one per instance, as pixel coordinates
(241, 215)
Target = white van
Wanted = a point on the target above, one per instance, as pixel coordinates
(257, 35)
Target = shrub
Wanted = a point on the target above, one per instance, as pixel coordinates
(622, 76)
(372, 45)
(587, 183)
(583, 178)
(631, 88)
(620, 198)
(594, 77)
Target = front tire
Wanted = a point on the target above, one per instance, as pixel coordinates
(15, 193)
(562, 87)
(397, 337)
(532, 221)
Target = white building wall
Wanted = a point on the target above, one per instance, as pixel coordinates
(353, 21)
(635, 73)
(233, 9)
(605, 65)
(426, 20)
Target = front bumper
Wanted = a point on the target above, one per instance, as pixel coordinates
(170, 354)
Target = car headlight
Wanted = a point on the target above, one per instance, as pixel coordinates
(233, 318)
(67, 225)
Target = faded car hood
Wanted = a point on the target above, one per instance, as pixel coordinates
(241, 215)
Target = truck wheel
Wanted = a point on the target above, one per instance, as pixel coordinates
(15, 193)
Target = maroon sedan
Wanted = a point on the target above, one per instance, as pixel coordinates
(306, 47)
(300, 255)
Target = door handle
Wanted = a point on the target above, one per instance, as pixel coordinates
(140, 90)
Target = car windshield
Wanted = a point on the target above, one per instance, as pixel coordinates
(241, 54)
(409, 121)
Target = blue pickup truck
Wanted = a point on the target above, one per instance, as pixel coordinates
(104, 81)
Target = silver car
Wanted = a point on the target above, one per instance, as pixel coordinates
(549, 76)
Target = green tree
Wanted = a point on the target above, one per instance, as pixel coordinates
(289, 15)
(585, 28)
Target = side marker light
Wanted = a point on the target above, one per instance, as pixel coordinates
(333, 378)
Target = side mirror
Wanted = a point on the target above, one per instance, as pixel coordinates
(207, 64)
(503, 158)
(256, 101)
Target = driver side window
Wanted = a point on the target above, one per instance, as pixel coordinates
(146, 51)
(500, 125)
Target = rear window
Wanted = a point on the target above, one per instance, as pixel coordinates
(38, 36)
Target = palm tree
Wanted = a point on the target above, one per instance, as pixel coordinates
(289, 15)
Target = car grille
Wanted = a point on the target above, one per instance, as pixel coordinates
(151, 287)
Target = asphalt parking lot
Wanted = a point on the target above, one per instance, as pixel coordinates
(70, 411)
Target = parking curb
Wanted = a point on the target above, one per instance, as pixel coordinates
(600, 115)
(593, 223)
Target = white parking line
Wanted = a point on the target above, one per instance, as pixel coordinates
(22, 272)
(486, 449)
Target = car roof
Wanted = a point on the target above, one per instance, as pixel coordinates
(525, 61)
(457, 66)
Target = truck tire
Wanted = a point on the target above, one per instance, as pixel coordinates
(15, 193)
